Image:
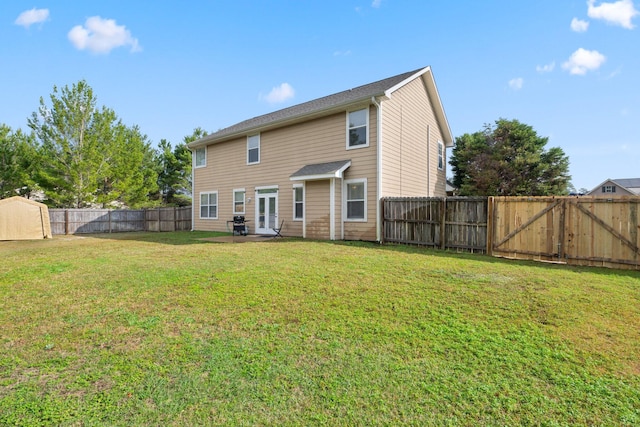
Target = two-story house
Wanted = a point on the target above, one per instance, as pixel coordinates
(322, 166)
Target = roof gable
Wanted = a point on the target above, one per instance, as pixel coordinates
(632, 185)
(330, 103)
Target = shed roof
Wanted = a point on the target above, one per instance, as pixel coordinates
(328, 104)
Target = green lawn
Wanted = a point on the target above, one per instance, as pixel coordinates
(166, 329)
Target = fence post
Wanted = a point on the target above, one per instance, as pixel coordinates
(175, 219)
(562, 231)
(381, 220)
(66, 221)
(490, 225)
(109, 214)
(443, 223)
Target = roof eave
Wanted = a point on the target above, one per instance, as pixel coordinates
(212, 139)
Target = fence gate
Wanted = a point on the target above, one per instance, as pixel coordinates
(579, 231)
(528, 228)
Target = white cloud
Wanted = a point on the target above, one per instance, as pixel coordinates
(617, 13)
(342, 53)
(101, 36)
(547, 68)
(516, 84)
(33, 16)
(279, 94)
(583, 60)
(579, 26)
(376, 3)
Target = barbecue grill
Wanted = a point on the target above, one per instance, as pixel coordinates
(240, 226)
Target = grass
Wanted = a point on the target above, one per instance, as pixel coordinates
(166, 329)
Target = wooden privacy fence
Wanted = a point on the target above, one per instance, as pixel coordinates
(458, 223)
(573, 230)
(82, 221)
(168, 219)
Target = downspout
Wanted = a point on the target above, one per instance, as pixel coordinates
(378, 167)
(428, 160)
(193, 189)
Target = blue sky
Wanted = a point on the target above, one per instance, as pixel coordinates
(568, 68)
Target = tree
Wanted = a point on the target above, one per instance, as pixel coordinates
(508, 159)
(88, 156)
(130, 177)
(173, 172)
(18, 159)
(174, 169)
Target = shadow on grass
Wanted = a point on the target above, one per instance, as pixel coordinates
(483, 258)
(166, 238)
(206, 237)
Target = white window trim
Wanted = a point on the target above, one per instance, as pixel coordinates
(345, 193)
(259, 154)
(244, 201)
(217, 205)
(195, 165)
(355, 147)
(295, 186)
(441, 155)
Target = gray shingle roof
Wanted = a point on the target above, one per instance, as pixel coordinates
(346, 97)
(317, 169)
(631, 184)
(628, 182)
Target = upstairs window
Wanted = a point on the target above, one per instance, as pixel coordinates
(253, 149)
(357, 129)
(440, 155)
(609, 189)
(200, 157)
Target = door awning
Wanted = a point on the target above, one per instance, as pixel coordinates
(321, 171)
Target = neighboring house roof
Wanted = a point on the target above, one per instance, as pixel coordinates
(328, 104)
(630, 184)
(321, 171)
(450, 188)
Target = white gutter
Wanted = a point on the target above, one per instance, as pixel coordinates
(378, 167)
(332, 209)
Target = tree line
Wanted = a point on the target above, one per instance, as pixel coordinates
(77, 154)
(80, 155)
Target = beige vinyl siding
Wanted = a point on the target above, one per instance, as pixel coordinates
(317, 210)
(619, 191)
(410, 135)
(283, 151)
